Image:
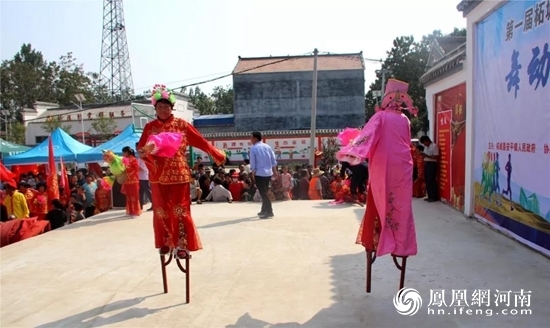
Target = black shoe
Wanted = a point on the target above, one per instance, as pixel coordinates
(150, 209)
(266, 216)
(260, 213)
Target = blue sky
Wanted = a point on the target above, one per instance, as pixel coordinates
(181, 42)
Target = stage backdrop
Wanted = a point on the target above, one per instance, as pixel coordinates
(512, 120)
(451, 139)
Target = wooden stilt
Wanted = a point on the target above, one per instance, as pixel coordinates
(401, 267)
(165, 262)
(371, 257)
(187, 273)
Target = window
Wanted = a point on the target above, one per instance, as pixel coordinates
(39, 139)
(143, 121)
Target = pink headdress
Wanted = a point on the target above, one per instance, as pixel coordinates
(395, 95)
(161, 92)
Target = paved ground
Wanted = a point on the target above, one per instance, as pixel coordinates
(300, 269)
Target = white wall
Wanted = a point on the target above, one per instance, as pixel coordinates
(484, 9)
(34, 129)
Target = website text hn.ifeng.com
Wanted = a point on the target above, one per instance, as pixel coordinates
(485, 312)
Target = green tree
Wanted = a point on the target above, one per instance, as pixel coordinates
(223, 100)
(28, 77)
(407, 61)
(330, 148)
(202, 102)
(104, 127)
(52, 123)
(16, 133)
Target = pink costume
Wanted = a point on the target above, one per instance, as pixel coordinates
(388, 223)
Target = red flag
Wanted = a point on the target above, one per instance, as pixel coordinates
(53, 184)
(64, 180)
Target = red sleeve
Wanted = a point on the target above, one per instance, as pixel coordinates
(141, 143)
(196, 140)
(144, 135)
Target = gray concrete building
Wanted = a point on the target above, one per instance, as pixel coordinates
(274, 93)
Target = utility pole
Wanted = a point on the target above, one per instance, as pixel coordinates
(313, 110)
(383, 72)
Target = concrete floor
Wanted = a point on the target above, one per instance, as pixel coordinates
(301, 269)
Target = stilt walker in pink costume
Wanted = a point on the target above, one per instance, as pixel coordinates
(388, 223)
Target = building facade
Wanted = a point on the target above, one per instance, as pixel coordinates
(445, 83)
(507, 140)
(275, 93)
(81, 121)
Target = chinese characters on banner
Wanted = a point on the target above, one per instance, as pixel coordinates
(289, 149)
(444, 143)
(236, 150)
(511, 108)
(535, 17)
(453, 143)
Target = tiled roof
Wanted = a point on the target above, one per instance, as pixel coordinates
(446, 63)
(94, 111)
(288, 133)
(449, 43)
(465, 6)
(214, 117)
(331, 62)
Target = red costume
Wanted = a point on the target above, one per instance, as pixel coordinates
(169, 177)
(130, 187)
(102, 200)
(40, 204)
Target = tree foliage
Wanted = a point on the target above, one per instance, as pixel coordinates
(28, 77)
(407, 61)
(104, 127)
(220, 101)
(16, 133)
(52, 123)
(330, 148)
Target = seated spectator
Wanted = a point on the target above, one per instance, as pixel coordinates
(57, 216)
(236, 187)
(196, 191)
(77, 214)
(219, 193)
(248, 192)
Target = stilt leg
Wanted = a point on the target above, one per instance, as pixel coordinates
(187, 272)
(163, 264)
(371, 257)
(401, 267)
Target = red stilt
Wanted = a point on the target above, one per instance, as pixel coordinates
(371, 257)
(401, 267)
(164, 263)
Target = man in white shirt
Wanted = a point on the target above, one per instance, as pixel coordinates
(431, 157)
(219, 193)
(144, 186)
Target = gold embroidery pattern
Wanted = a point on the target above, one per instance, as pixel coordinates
(163, 216)
(180, 213)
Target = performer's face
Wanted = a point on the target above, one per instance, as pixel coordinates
(163, 110)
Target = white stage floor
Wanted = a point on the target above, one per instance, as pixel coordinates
(300, 269)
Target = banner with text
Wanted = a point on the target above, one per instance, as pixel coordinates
(512, 120)
(451, 138)
(444, 143)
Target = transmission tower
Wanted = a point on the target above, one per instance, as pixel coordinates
(115, 71)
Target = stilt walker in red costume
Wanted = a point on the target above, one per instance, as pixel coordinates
(163, 146)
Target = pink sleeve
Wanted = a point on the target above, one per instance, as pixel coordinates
(360, 148)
